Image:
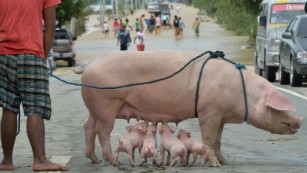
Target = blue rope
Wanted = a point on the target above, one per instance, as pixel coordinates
(237, 65)
(138, 83)
(18, 124)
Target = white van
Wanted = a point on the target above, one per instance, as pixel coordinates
(273, 19)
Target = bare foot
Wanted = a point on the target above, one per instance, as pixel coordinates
(49, 166)
(7, 167)
(92, 156)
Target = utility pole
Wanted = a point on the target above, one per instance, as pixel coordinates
(102, 11)
(116, 8)
(125, 7)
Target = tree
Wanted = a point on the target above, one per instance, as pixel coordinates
(73, 8)
(236, 15)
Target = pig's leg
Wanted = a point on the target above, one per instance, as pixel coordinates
(174, 160)
(154, 160)
(217, 147)
(104, 132)
(143, 158)
(162, 153)
(115, 161)
(194, 159)
(203, 161)
(90, 135)
(130, 154)
(188, 157)
(168, 158)
(209, 124)
(183, 158)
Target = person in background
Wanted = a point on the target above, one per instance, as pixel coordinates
(141, 22)
(123, 39)
(196, 25)
(23, 76)
(137, 24)
(139, 40)
(165, 20)
(121, 24)
(106, 28)
(115, 27)
(147, 21)
(176, 26)
(181, 26)
(158, 24)
(152, 24)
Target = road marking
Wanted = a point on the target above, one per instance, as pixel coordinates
(61, 160)
(293, 93)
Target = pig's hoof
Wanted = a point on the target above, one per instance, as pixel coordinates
(115, 163)
(215, 164)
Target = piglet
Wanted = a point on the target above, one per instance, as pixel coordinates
(149, 146)
(133, 139)
(194, 146)
(173, 146)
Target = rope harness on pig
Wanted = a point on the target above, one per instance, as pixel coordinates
(212, 55)
(238, 66)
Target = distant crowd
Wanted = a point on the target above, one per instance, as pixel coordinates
(142, 25)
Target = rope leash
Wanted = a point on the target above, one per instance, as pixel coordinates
(237, 65)
(138, 83)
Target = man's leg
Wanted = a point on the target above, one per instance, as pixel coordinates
(36, 134)
(8, 136)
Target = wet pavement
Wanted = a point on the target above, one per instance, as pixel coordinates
(246, 148)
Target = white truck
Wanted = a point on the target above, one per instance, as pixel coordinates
(273, 19)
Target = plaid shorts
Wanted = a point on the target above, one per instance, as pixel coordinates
(24, 79)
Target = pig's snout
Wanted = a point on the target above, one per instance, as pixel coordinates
(295, 125)
(299, 122)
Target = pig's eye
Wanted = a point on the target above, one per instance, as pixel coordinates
(287, 124)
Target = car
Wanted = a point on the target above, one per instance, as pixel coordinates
(153, 7)
(63, 46)
(293, 52)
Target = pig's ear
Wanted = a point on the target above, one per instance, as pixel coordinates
(276, 100)
(129, 128)
(173, 129)
(142, 129)
(160, 129)
(189, 134)
(178, 135)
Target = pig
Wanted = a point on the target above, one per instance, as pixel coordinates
(173, 146)
(174, 99)
(193, 146)
(133, 139)
(149, 146)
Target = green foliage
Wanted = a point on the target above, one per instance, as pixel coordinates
(239, 16)
(74, 8)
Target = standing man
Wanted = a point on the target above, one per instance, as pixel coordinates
(23, 75)
(196, 25)
(123, 39)
(141, 22)
(176, 26)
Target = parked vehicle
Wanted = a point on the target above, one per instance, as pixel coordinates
(273, 19)
(153, 7)
(63, 46)
(293, 52)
